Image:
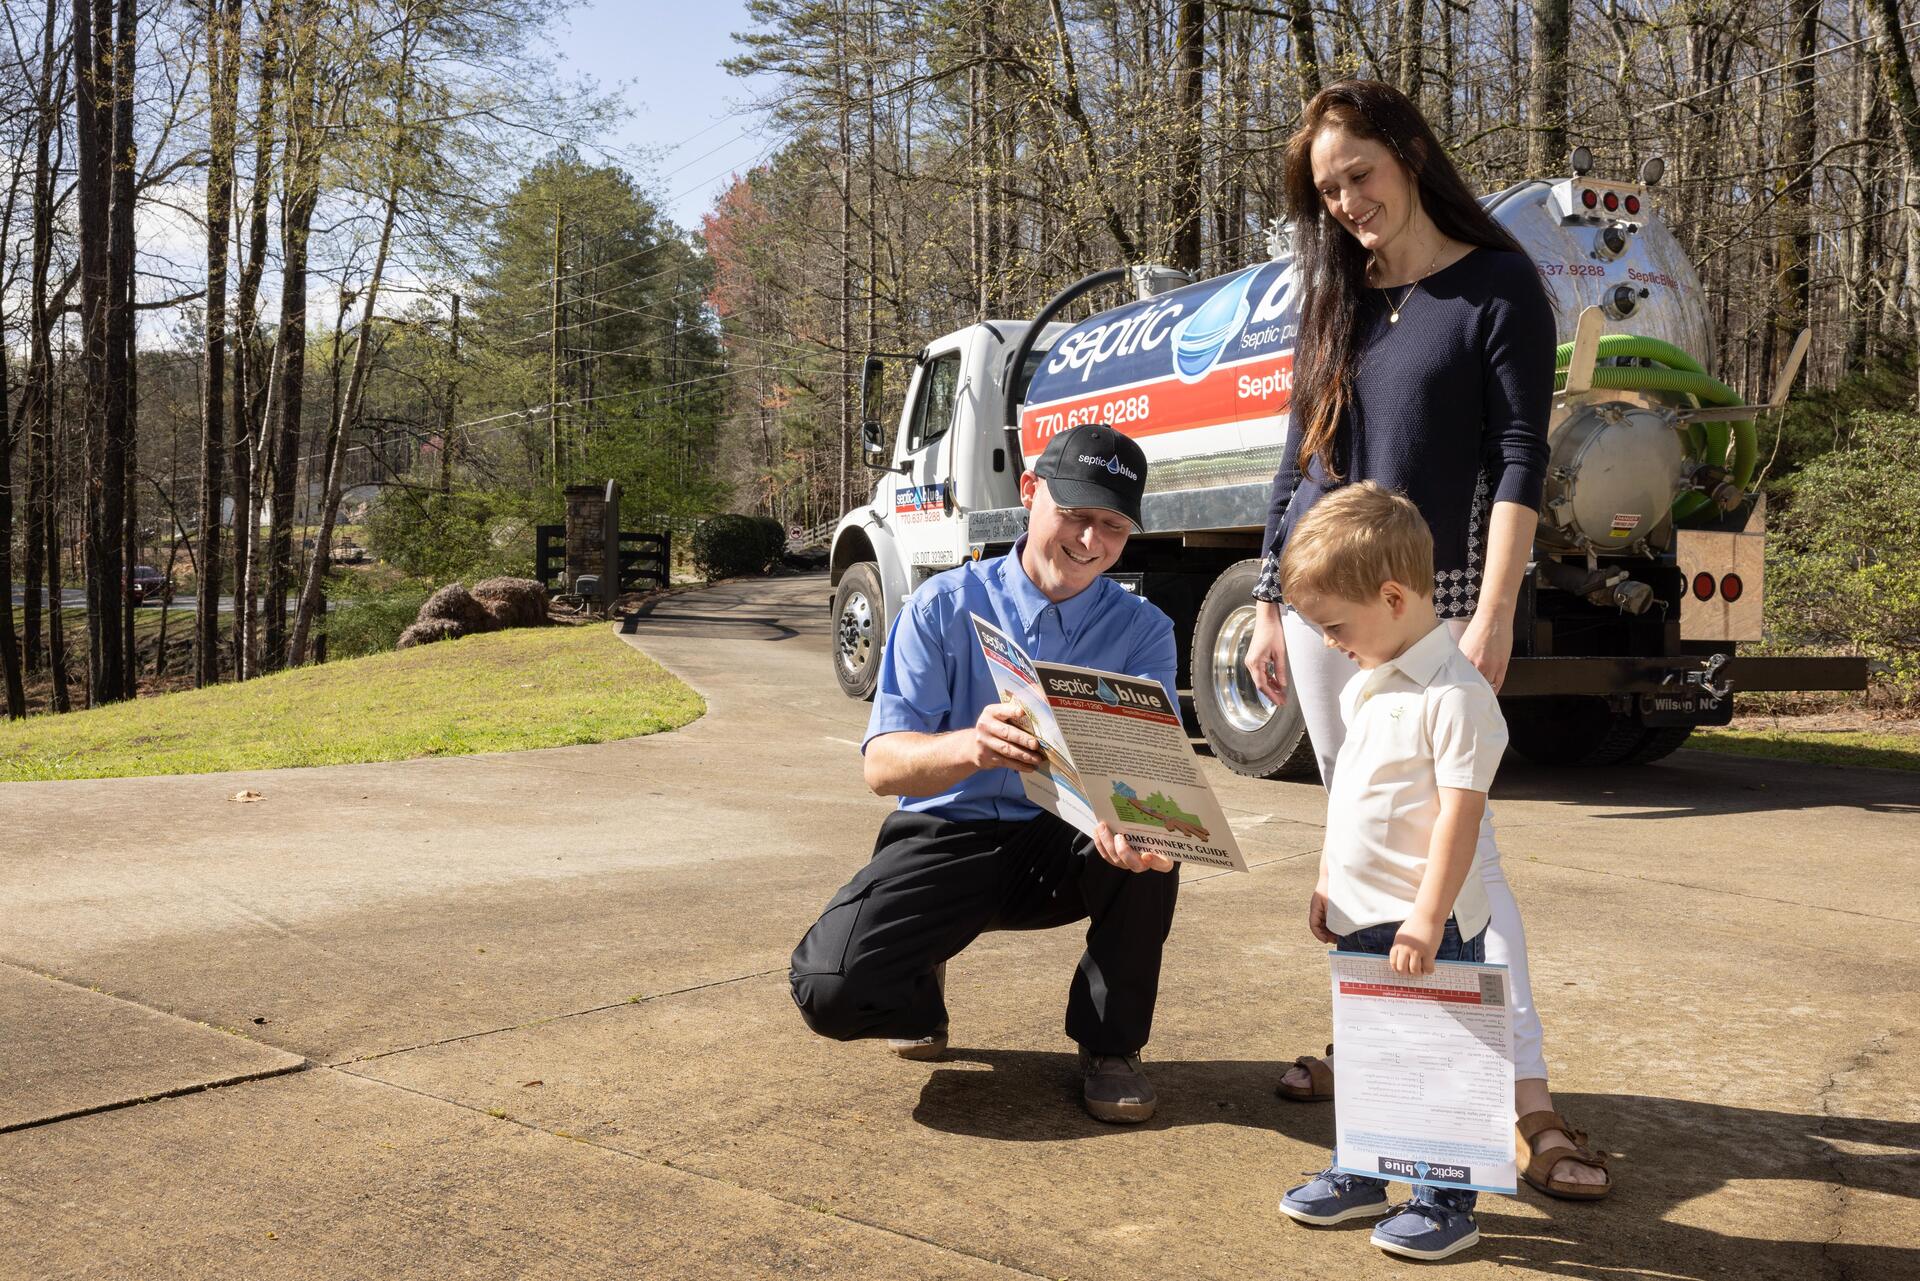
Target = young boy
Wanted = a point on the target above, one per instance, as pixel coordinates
(1424, 735)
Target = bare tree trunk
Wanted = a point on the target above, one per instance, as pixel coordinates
(349, 409)
(1791, 310)
(94, 62)
(344, 418)
(1306, 47)
(223, 74)
(1411, 41)
(1896, 70)
(1190, 55)
(1865, 209)
(123, 405)
(303, 191)
(1547, 88)
(9, 436)
(252, 386)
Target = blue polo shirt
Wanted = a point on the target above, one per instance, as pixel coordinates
(933, 677)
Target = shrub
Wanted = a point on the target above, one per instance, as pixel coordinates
(1843, 569)
(364, 619)
(731, 545)
(466, 534)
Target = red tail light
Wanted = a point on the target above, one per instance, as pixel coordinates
(1633, 204)
(1731, 587)
(1588, 199)
(1612, 202)
(1703, 585)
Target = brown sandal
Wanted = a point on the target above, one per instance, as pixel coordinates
(1537, 1168)
(1319, 1077)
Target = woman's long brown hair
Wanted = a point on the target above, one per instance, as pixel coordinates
(1329, 263)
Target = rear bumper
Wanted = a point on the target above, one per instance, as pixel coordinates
(1543, 676)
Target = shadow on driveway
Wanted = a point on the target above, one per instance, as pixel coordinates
(1669, 1152)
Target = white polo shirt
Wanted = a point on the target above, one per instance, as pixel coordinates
(1424, 721)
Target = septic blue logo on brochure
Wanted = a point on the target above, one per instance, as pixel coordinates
(1426, 1171)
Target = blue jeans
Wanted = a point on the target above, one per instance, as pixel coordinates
(1377, 940)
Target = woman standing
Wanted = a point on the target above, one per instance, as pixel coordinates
(1424, 362)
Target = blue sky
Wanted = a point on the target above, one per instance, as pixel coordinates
(664, 58)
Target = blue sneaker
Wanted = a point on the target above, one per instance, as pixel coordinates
(1333, 1197)
(1423, 1230)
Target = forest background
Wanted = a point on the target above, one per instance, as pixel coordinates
(290, 284)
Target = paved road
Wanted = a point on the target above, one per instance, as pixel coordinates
(525, 1015)
(76, 598)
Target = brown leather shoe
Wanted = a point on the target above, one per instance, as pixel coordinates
(931, 1046)
(1114, 1088)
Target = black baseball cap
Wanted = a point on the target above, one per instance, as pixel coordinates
(1095, 466)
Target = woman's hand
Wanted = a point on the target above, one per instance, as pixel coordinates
(1488, 644)
(1267, 653)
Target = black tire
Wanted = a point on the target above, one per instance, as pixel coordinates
(1571, 729)
(1657, 742)
(1247, 733)
(859, 630)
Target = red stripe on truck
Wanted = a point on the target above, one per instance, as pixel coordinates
(1250, 390)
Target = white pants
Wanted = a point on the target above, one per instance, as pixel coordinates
(1316, 675)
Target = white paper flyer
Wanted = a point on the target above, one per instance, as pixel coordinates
(1424, 1089)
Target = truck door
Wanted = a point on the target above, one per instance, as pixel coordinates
(923, 498)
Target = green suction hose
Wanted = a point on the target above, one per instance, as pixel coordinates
(1681, 374)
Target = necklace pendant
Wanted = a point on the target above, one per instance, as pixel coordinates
(1393, 318)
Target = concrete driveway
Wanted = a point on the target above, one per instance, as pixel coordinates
(526, 1016)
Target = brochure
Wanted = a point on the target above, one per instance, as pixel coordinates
(1424, 1092)
(1116, 752)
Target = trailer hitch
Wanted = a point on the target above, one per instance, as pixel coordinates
(1707, 677)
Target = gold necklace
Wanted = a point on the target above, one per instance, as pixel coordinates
(1394, 309)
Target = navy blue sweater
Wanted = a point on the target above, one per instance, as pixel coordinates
(1449, 407)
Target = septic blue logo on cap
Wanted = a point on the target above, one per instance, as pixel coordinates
(1200, 338)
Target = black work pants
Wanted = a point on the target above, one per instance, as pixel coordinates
(934, 885)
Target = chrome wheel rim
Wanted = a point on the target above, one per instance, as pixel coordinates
(1234, 693)
(855, 631)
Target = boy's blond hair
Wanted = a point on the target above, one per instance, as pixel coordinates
(1355, 539)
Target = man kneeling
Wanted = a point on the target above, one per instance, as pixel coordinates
(966, 852)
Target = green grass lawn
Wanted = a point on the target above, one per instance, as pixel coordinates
(1818, 747)
(537, 687)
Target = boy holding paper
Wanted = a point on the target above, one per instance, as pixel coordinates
(1424, 735)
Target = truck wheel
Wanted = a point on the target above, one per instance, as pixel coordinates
(1658, 742)
(859, 630)
(1247, 733)
(1570, 729)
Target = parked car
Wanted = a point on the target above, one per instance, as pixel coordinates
(149, 584)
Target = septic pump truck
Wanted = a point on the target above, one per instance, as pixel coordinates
(1648, 569)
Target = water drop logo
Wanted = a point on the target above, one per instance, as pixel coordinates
(1106, 695)
(1420, 1169)
(1201, 336)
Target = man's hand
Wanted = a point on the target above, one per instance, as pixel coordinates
(1267, 653)
(1317, 916)
(1119, 851)
(1414, 945)
(997, 740)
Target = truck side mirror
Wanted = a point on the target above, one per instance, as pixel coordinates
(873, 385)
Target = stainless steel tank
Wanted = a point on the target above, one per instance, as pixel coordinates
(1617, 458)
